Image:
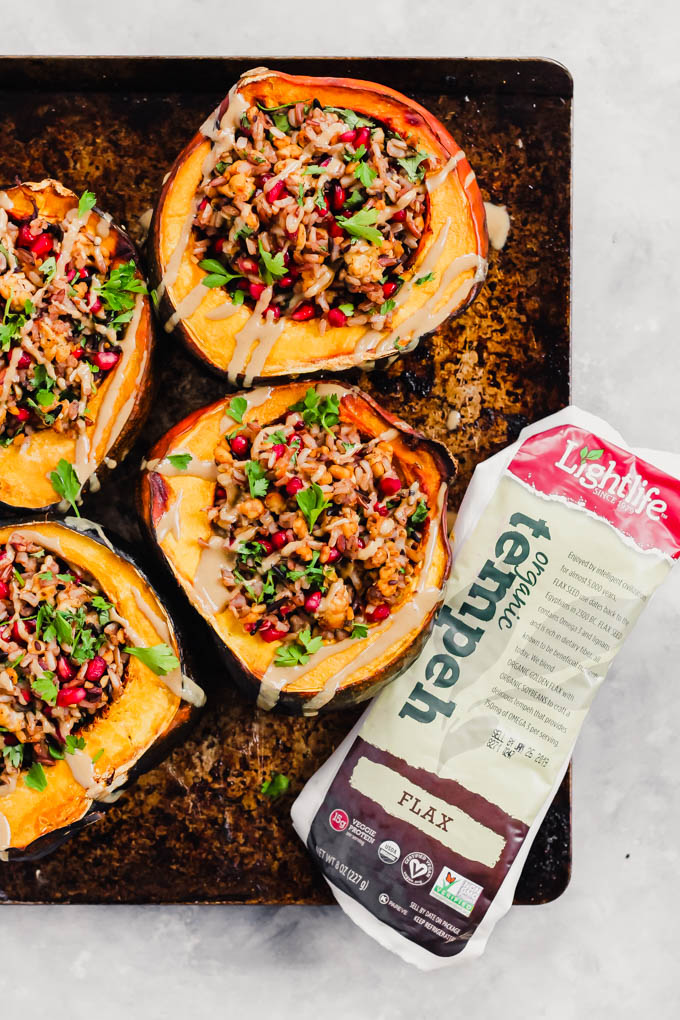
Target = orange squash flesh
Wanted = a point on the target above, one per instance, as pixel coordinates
(140, 725)
(185, 497)
(26, 464)
(456, 227)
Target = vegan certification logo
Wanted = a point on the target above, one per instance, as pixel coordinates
(417, 868)
(456, 891)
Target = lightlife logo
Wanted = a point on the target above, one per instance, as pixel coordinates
(631, 489)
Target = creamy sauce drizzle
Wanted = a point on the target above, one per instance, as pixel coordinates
(178, 682)
(170, 521)
(379, 639)
(85, 448)
(497, 224)
(75, 225)
(434, 181)
(206, 469)
(187, 306)
(207, 584)
(223, 311)
(258, 330)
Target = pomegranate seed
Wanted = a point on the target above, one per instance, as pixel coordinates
(42, 244)
(22, 414)
(255, 290)
(294, 486)
(64, 671)
(275, 192)
(286, 609)
(286, 258)
(77, 353)
(220, 493)
(335, 230)
(325, 162)
(275, 310)
(304, 312)
(279, 539)
(389, 288)
(338, 196)
(278, 449)
(249, 628)
(247, 265)
(381, 509)
(96, 668)
(203, 204)
(83, 273)
(348, 136)
(4, 590)
(25, 238)
(105, 360)
(243, 285)
(360, 543)
(362, 138)
(299, 425)
(399, 216)
(70, 696)
(239, 445)
(266, 545)
(389, 485)
(336, 317)
(333, 555)
(96, 306)
(219, 244)
(10, 739)
(24, 361)
(285, 282)
(378, 613)
(270, 633)
(326, 206)
(313, 601)
(294, 272)
(70, 275)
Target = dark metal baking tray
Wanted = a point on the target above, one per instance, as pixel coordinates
(196, 829)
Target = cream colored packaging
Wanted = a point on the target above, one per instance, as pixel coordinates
(422, 819)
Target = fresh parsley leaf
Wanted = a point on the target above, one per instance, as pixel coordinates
(272, 265)
(290, 655)
(411, 165)
(65, 483)
(97, 756)
(312, 502)
(354, 199)
(45, 688)
(419, 514)
(87, 201)
(357, 154)
(361, 225)
(74, 743)
(278, 437)
(218, 275)
(55, 752)
(237, 408)
(257, 480)
(14, 755)
(387, 306)
(45, 398)
(424, 279)
(275, 786)
(313, 170)
(251, 551)
(347, 309)
(180, 460)
(18, 577)
(66, 578)
(365, 174)
(309, 643)
(323, 411)
(351, 119)
(301, 194)
(320, 200)
(46, 575)
(158, 658)
(244, 231)
(118, 291)
(48, 269)
(359, 630)
(35, 778)
(238, 297)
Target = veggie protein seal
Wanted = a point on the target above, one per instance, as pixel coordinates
(561, 540)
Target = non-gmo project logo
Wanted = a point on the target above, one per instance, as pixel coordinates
(339, 820)
(456, 891)
(417, 868)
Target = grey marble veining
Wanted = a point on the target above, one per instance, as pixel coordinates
(608, 947)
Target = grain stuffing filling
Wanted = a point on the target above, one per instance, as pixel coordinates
(61, 660)
(313, 213)
(62, 321)
(323, 537)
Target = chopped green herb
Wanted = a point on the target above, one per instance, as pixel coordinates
(351, 119)
(14, 754)
(272, 265)
(48, 269)
(158, 658)
(275, 786)
(244, 231)
(424, 279)
(45, 688)
(97, 756)
(55, 752)
(347, 309)
(313, 170)
(118, 292)
(387, 306)
(277, 437)
(218, 275)
(365, 174)
(299, 651)
(323, 411)
(238, 297)
(46, 575)
(35, 778)
(361, 225)
(18, 577)
(237, 408)
(257, 480)
(359, 630)
(419, 514)
(412, 166)
(86, 202)
(66, 578)
(301, 194)
(74, 743)
(312, 502)
(180, 460)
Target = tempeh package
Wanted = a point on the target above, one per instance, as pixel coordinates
(422, 819)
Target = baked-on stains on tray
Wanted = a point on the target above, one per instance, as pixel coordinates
(196, 829)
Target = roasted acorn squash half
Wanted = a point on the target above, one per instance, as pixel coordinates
(76, 339)
(308, 527)
(80, 716)
(315, 224)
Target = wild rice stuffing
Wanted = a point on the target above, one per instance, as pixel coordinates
(61, 326)
(61, 659)
(315, 210)
(323, 536)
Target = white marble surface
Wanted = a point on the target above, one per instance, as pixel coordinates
(608, 947)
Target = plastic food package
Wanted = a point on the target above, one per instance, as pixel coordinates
(422, 819)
